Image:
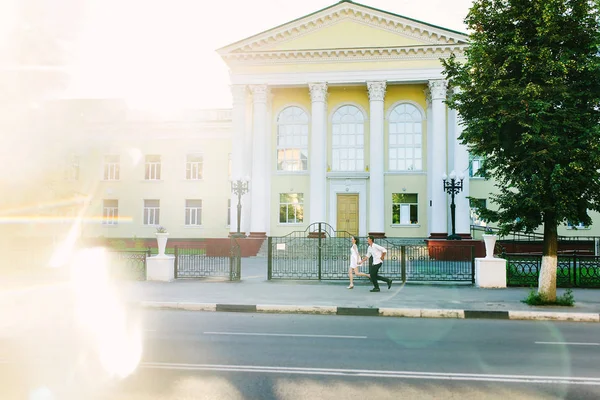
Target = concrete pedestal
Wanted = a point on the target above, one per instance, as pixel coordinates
(160, 268)
(490, 272)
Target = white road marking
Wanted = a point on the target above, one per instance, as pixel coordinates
(569, 343)
(285, 335)
(565, 380)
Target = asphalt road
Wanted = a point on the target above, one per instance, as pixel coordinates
(202, 355)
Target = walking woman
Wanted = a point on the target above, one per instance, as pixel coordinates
(355, 262)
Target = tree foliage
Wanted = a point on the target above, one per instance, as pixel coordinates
(529, 98)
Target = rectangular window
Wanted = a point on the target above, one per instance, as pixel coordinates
(151, 212)
(229, 167)
(193, 212)
(405, 208)
(152, 167)
(291, 208)
(475, 164)
(110, 212)
(193, 167)
(580, 225)
(72, 168)
(474, 205)
(111, 167)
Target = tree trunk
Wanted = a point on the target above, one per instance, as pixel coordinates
(547, 280)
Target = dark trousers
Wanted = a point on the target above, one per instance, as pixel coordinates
(374, 273)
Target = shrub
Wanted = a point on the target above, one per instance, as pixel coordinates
(536, 299)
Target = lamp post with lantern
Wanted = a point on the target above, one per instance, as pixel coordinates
(453, 186)
(240, 187)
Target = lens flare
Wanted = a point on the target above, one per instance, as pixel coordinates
(115, 336)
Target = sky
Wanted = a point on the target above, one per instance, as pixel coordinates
(161, 53)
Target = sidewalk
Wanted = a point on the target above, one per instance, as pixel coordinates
(255, 293)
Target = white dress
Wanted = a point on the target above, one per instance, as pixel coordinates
(354, 256)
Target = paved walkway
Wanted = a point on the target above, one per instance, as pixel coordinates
(255, 290)
(255, 293)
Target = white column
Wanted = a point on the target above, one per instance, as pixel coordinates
(429, 161)
(318, 152)
(247, 168)
(437, 150)
(461, 166)
(238, 122)
(258, 182)
(376, 158)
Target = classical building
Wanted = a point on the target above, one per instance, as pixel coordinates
(339, 117)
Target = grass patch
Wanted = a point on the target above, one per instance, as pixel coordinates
(536, 299)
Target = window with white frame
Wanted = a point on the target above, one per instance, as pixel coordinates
(405, 208)
(291, 208)
(110, 212)
(578, 225)
(193, 212)
(475, 163)
(475, 205)
(348, 140)
(193, 166)
(152, 167)
(229, 166)
(405, 138)
(292, 140)
(72, 168)
(151, 212)
(112, 167)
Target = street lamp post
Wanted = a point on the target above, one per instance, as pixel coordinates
(453, 188)
(240, 187)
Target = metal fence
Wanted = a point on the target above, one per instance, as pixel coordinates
(202, 260)
(128, 264)
(319, 252)
(572, 270)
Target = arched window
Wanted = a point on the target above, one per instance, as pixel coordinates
(405, 138)
(348, 139)
(292, 140)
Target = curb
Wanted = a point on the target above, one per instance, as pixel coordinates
(375, 312)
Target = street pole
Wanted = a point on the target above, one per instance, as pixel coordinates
(453, 188)
(239, 187)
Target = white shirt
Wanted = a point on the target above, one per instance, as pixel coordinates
(376, 251)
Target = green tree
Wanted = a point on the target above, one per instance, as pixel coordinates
(528, 91)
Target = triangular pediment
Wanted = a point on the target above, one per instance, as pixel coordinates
(342, 26)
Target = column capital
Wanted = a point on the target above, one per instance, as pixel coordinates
(318, 92)
(238, 93)
(438, 89)
(260, 93)
(376, 90)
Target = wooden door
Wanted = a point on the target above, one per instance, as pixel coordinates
(347, 213)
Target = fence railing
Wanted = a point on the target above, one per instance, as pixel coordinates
(319, 253)
(573, 270)
(202, 260)
(128, 264)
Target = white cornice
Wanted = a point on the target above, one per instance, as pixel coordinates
(345, 55)
(420, 75)
(331, 15)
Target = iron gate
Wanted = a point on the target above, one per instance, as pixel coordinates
(319, 252)
(202, 260)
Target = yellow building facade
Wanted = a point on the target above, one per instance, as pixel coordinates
(337, 117)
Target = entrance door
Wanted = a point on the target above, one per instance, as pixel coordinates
(347, 213)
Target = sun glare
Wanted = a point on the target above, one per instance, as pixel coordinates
(155, 55)
(101, 314)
